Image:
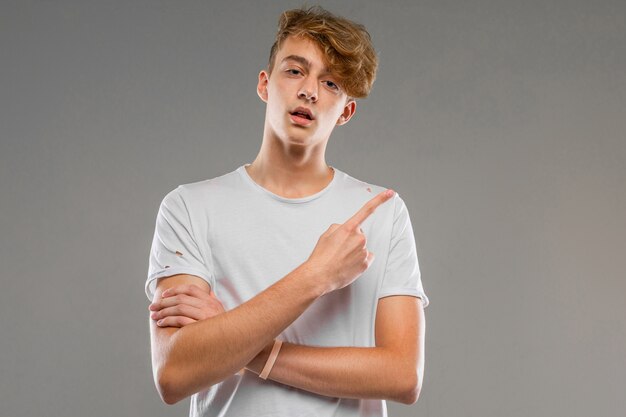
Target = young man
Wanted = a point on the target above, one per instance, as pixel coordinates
(266, 299)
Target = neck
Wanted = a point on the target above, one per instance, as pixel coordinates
(291, 170)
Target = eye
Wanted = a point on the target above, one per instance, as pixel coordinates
(332, 85)
(293, 71)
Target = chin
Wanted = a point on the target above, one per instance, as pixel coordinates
(301, 137)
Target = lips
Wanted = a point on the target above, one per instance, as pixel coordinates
(300, 120)
(303, 112)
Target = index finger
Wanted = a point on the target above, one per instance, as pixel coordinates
(367, 209)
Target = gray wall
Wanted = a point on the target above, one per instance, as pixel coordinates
(501, 123)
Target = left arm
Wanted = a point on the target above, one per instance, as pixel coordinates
(393, 369)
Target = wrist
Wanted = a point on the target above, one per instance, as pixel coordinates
(258, 362)
(315, 278)
(267, 368)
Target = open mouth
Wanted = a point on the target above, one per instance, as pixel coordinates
(302, 115)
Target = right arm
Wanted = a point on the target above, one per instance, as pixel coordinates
(190, 359)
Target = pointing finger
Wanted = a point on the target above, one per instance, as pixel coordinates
(369, 207)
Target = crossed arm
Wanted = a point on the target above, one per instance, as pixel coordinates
(393, 369)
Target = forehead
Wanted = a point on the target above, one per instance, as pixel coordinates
(303, 51)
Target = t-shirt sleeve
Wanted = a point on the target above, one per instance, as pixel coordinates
(175, 249)
(402, 273)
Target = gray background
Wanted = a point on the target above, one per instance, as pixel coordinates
(501, 123)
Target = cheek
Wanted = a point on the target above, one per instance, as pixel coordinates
(276, 96)
(337, 112)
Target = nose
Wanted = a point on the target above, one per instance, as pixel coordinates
(308, 90)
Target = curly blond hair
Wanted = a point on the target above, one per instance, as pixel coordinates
(346, 45)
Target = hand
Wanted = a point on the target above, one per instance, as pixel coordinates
(185, 304)
(340, 255)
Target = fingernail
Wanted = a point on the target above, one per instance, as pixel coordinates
(160, 322)
(390, 193)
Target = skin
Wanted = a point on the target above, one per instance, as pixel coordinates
(291, 163)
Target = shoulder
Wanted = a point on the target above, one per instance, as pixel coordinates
(352, 183)
(364, 191)
(201, 193)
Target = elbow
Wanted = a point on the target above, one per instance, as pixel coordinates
(174, 384)
(411, 391)
(168, 398)
(410, 397)
(166, 387)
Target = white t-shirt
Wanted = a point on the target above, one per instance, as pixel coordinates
(241, 238)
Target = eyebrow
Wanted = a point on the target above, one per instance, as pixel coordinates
(303, 61)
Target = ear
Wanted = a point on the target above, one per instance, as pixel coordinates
(348, 112)
(261, 88)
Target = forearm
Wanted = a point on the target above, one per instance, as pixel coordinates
(346, 372)
(208, 351)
